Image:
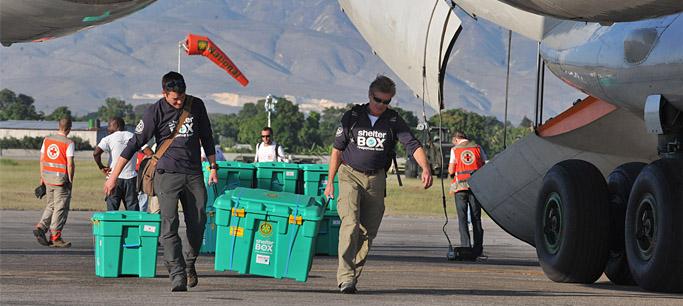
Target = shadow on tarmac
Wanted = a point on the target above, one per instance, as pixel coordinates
(477, 292)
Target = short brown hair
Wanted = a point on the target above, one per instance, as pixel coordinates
(459, 135)
(65, 124)
(383, 84)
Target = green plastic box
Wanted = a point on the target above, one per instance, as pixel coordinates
(231, 175)
(327, 242)
(209, 240)
(266, 233)
(277, 176)
(126, 243)
(315, 181)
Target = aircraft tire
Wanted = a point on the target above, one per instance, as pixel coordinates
(572, 233)
(619, 184)
(654, 231)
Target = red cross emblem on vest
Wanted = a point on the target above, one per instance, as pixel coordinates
(53, 151)
(467, 157)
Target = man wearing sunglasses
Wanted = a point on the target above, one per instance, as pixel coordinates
(268, 150)
(363, 146)
(178, 174)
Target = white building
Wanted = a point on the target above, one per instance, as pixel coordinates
(90, 132)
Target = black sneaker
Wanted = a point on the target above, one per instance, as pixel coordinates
(40, 236)
(179, 283)
(192, 278)
(348, 288)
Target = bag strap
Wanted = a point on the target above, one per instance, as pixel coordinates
(167, 142)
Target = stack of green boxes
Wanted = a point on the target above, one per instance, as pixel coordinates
(314, 183)
(230, 176)
(266, 233)
(126, 243)
(277, 176)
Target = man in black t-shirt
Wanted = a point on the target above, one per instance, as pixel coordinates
(363, 146)
(179, 173)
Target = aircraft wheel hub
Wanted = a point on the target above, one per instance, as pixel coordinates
(552, 222)
(645, 226)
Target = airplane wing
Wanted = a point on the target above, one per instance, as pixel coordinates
(414, 38)
(527, 24)
(40, 20)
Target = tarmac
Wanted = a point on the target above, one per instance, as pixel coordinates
(407, 266)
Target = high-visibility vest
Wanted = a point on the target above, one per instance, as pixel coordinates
(53, 160)
(467, 159)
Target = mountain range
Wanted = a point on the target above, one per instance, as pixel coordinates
(305, 50)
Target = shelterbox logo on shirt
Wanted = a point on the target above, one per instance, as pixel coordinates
(186, 130)
(371, 140)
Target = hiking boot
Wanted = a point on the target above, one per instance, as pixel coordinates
(348, 288)
(40, 236)
(192, 278)
(60, 243)
(179, 283)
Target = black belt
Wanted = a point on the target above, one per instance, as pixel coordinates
(366, 172)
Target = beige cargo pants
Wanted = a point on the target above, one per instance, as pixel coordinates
(57, 208)
(361, 208)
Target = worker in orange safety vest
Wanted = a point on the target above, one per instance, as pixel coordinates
(466, 157)
(56, 172)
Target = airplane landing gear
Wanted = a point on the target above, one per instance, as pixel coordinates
(619, 183)
(654, 233)
(571, 229)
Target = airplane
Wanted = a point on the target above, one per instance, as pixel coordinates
(598, 188)
(41, 20)
(551, 190)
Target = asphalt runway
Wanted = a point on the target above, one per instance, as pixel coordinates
(407, 266)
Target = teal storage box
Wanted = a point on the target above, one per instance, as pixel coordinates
(126, 243)
(327, 242)
(231, 175)
(315, 181)
(266, 233)
(209, 240)
(277, 176)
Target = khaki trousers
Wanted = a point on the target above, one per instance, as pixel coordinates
(57, 209)
(361, 208)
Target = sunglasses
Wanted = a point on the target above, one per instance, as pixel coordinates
(175, 86)
(265, 136)
(378, 100)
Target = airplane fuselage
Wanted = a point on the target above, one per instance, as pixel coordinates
(600, 11)
(622, 63)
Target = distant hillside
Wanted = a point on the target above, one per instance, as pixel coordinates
(306, 50)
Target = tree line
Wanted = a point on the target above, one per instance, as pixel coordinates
(298, 132)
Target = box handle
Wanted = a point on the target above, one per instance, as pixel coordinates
(131, 245)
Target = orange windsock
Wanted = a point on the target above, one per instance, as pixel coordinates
(203, 45)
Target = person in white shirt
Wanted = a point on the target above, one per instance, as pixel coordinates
(126, 183)
(268, 150)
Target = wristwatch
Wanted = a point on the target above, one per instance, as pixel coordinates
(213, 167)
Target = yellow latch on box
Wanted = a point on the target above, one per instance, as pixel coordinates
(236, 231)
(299, 220)
(238, 212)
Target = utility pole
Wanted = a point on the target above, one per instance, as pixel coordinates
(270, 106)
